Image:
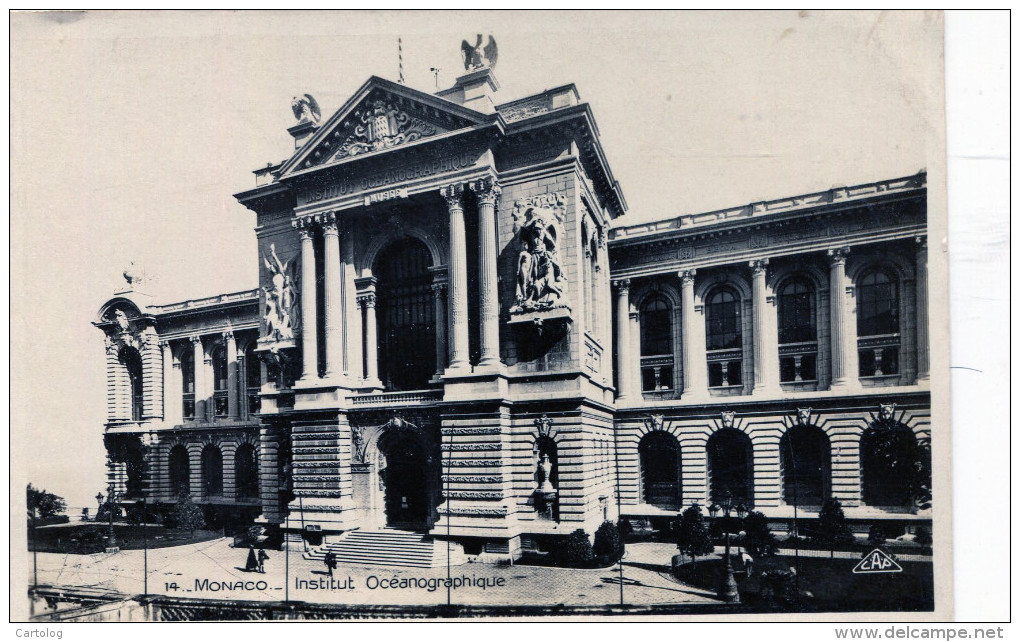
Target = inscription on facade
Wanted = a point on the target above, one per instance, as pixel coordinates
(347, 186)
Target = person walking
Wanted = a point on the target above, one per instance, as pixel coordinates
(252, 564)
(263, 556)
(330, 561)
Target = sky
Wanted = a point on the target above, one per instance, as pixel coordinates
(131, 131)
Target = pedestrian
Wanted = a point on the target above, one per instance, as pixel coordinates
(263, 556)
(330, 563)
(252, 564)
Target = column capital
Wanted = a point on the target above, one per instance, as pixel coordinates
(453, 193)
(439, 289)
(228, 335)
(838, 255)
(164, 343)
(687, 276)
(486, 189)
(367, 300)
(758, 266)
(330, 226)
(621, 284)
(195, 339)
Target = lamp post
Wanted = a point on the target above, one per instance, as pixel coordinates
(111, 497)
(728, 588)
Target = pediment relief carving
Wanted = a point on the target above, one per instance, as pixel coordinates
(381, 122)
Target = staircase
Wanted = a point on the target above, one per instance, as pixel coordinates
(388, 547)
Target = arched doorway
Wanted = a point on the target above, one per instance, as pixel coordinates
(730, 467)
(806, 457)
(895, 469)
(406, 315)
(402, 465)
(659, 453)
(180, 471)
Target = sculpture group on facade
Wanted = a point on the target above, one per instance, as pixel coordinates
(381, 126)
(281, 299)
(541, 283)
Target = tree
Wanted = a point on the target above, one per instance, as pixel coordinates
(608, 548)
(43, 504)
(758, 539)
(692, 537)
(922, 536)
(832, 528)
(187, 514)
(574, 551)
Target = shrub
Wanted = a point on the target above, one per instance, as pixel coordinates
(832, 528)
(922, 536)
(626, 528)
(758, 539)
(608, 548)
(573, 551)
(187, 514)
(876, 535)
(692, 536)
(778, 589)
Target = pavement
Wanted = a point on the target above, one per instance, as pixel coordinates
(215, 570)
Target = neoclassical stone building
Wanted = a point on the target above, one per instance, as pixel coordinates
(451, 337)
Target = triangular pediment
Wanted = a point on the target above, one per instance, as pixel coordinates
(382, 115)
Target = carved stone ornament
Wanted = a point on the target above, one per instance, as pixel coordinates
(544, 425)
(727, 419)
(281, 312)
(541, 283)
(381, 125)
(654, 422)
(803, 416)
(886, 411)
(358, 441)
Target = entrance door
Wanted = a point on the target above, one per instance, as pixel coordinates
(404, 479)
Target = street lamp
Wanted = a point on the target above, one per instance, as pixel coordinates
(728, 588)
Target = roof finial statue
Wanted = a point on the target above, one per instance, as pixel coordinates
(477, 56)
(133, 274)
(306, 110)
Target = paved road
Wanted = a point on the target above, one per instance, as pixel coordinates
(215, 570)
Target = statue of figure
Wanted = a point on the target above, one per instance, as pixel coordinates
(121, 318)
(477, 57)
(280, 298)
(540, 279)
(305, 109)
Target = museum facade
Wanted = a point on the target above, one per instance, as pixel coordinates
(451, 337)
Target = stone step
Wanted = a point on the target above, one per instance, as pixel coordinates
(388, 547)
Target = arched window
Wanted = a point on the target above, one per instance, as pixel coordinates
(188, 383)
(656, 344)
(212, 471)
(220, 391)
(894, 467)
(180, 470)
(405, 313)
(723, 338)
(132, 362)
(246, 475)
(878, 324)
(253, 377)
(547, 478)
(730, 466)
(806, 459)
(798, 332)
(659, 453)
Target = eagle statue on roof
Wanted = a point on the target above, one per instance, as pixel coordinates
(306, 109)
(476, 57)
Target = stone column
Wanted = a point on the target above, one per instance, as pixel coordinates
(332, 279)
(458, 278)
(623, 378)
(921, 316)
(208, 386)
(200, 376)
(171, 386)
(842, 334)
(695, 369)
(367, 301)
(309, 345)
(439, 289)
(488, 287)
(351, 330)
(232, 379)
(764, 335)
(242, 386)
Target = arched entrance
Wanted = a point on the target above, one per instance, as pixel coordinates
(406, 316)
(403, 477)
